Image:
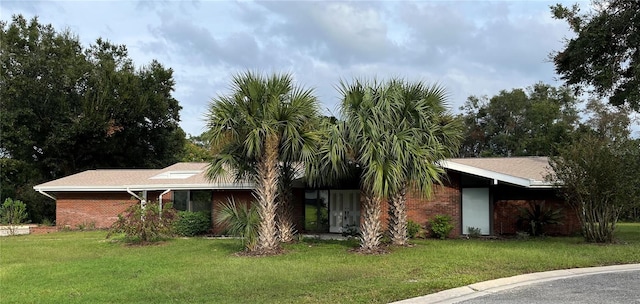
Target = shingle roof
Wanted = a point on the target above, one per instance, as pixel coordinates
(528, 171)
(176, 176)
(523, 171)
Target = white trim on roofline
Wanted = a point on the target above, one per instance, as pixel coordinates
(496, 176)
(159, 187)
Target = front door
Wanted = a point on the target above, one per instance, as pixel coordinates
(475, 210)
(344, 207)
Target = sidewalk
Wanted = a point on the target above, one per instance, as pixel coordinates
(491, 287)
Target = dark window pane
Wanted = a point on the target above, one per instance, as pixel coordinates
(180, 200)
(201, 200)
(323, 211)
(310, 210)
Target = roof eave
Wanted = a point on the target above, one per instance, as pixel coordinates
(233, 186)
(510, 179)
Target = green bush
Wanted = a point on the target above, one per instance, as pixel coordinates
(240, 220)
(144, 225)
(413, 229)
(474, 232)
(192, 223)
(441, 226)
(535, 218)
(13, 212)
(86, 226)
(48, 222)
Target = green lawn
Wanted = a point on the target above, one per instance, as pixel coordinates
(83, 267)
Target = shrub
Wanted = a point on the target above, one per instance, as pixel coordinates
(537, 216)
(240, 220)
(48, 222)
(350, 231)
(413, 229)
(473, 232)
(87, 226)
(441, 226)
(13, 212)
(192, 223)
(522, 235)
(144, 225)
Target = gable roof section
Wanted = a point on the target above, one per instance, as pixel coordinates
(175, 177)
(529, 172)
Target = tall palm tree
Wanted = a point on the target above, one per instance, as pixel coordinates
(366, 142)
(418, 111)
(263, 123)
(394, 132)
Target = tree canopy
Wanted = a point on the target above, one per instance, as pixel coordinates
(605, 53)
(391, 135)
(518, 122)
(598, 171)
(263, 126)
(65, 108)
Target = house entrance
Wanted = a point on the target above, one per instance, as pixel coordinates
(475, 210)
(344, 209)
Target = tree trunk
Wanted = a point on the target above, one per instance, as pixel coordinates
(286, 228)
(598, 220)
(398, 218)
(266, 192)
(370, 227)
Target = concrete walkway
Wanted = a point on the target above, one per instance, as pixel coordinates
(497, 291)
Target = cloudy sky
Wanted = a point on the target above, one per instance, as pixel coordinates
(470, 47)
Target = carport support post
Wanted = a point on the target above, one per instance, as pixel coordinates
(160, 200)
(143, 199)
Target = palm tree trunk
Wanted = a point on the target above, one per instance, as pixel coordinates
(370, 227)
(398, 217)
(266, 192)
(286, 228)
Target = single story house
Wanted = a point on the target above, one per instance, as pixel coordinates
(483, 193)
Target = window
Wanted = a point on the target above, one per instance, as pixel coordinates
(192, 200)
(316, 210)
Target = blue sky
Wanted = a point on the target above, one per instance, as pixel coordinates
(470, 47)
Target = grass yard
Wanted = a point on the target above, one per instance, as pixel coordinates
(83, 267)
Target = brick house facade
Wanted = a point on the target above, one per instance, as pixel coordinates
(474, 193)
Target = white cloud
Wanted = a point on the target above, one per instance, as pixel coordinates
(471, 47)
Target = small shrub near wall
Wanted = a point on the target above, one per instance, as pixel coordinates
(13, 212)
(441, 226)
(145, 225)
(413, 229)
(192, 223)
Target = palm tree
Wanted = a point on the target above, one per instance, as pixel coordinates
(264, 123)
(430, 135)
(361, 139)
(394, 133)
(284, 218)
(240, 220)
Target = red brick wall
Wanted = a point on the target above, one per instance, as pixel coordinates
(42, 229)
(246, 196)
(445, 199)
(221, 196)
(99, 209)
(505, 217)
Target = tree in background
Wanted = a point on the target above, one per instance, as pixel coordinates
(518, 122)
(197, 149)
(264, 125)
(65, 108)
(604, 54)
(599, 171)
